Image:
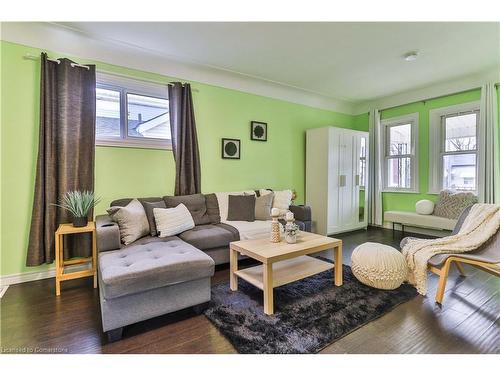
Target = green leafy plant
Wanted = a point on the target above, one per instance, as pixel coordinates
(292, 229)
(78, 203)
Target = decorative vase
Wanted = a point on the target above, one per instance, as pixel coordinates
(80, 221)
(290, 238)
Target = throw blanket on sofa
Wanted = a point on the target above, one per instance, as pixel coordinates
(482, 223)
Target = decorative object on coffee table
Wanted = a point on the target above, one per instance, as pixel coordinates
(231, 148)
(258, 131)
(275, 226)
(283, 263)
(78, 203)
(291, 229)
(61, 274)
(379, 266)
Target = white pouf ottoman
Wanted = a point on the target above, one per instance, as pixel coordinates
(379, 266)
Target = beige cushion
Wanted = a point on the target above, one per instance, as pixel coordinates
(451, 203)
(282, 200)
(131, 220)
(263, 205)
(172, 221)
(379, 266)
(417, 220)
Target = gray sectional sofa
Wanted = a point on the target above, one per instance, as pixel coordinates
(154, 276)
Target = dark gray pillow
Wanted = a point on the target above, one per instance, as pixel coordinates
(213, 211)
(148, 207)
(241, 208)
(195, 203)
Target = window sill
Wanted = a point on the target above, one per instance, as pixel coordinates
(409, 191)
(156, 145)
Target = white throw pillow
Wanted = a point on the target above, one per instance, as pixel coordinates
(424, 207)
(172, 221)
(131, 220)
(282, 200)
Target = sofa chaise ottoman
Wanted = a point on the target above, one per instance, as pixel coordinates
(151, 279)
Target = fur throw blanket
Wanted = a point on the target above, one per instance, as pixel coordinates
(482, 222)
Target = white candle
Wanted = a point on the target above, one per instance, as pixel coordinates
(289, 216)
(275, 212)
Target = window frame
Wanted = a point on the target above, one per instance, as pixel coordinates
(386, 125)
(437, 146)
(124, 86)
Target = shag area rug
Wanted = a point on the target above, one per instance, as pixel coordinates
(309, 314)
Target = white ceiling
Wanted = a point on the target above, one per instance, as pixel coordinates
(349, 61)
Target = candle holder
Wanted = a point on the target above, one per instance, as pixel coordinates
(275, 227)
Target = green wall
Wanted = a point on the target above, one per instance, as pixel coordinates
(278, 163)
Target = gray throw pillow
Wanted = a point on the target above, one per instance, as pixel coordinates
(195, 203)
(148, 207)
(241, 208)
(263, 206)
(131, 220)
(212, 208)
(452, 203)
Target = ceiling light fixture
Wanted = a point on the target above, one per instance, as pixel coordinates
(410, 56)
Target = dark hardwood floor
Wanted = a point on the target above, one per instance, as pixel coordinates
(33, 319)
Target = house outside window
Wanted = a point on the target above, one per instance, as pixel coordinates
(400, 152)
(131, 113)
(453, 154)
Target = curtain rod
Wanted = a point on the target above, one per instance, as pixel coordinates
(36, 58)
(435, 97)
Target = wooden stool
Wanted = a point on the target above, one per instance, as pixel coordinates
(60, 263)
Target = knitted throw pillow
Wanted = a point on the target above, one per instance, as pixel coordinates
(452, 203)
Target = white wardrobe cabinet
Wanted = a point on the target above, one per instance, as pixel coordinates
(337, 179)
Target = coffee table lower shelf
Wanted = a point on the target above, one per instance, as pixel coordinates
(285, 271)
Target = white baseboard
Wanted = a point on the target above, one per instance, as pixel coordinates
(24, 277)
(418, 230)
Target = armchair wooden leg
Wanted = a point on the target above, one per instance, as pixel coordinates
(443, 277)
(460, 268)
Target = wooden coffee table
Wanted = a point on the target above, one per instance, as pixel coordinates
(283, 263)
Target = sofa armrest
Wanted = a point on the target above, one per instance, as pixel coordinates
(302, 215)
(301, 212)
(108, 234)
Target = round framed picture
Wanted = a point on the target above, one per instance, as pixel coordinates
(231, 148)
(258, 131)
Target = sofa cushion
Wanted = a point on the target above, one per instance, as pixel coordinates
(263, 205)
(132, 221)
(212, 208)
(195, 203)
(124, 201)
(209, 236)
(148, 207)
(452, 203)
(139, 268)
(172, 221)
(414, 219)
(241, 208)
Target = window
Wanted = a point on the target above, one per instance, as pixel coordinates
(400, 153)
(453, 148)
(131, 113)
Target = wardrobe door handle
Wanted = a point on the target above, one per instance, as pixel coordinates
(342, 180)
(357, 180)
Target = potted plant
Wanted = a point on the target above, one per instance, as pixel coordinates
(78, 203)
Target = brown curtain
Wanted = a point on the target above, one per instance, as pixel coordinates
(65, 154)
(184, 139)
